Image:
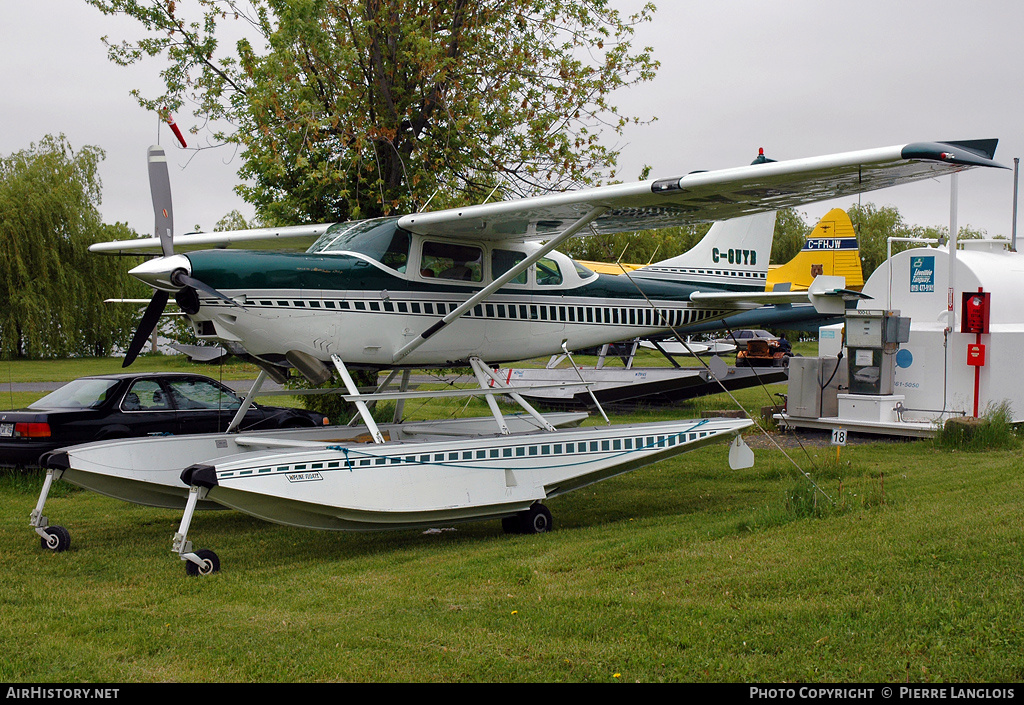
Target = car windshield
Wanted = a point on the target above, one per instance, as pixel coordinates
(79, 394)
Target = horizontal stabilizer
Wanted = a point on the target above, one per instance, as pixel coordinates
(827, 293)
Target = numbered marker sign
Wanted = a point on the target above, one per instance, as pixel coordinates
(839, 436)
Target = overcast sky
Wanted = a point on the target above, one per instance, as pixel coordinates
(798, 78)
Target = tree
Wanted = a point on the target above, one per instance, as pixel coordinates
(790, 233)
(360, 108)
(642, 247)
(51, 288)
(875, 225)
(648, 246)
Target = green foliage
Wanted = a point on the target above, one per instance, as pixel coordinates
(790, 233)
(333, 406)
(233, 221)
(993, 430)
(873, 226)
(51, 288)
(359, 108)
(640, 247)
(646, 246)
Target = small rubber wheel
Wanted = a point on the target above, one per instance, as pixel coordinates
(211, 564)
(57, 539)
(535, 520)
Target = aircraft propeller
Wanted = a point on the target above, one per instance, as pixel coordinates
(160, 189)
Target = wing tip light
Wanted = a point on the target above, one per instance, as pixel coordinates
(963, 152)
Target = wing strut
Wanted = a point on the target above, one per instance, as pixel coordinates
(501, 281)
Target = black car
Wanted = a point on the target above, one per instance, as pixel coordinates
(128, 405)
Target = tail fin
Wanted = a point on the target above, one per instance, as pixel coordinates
(733, 255)
(830, 249)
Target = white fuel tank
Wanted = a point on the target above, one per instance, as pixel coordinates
(932, 369)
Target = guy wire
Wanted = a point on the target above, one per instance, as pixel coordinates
(735, 401)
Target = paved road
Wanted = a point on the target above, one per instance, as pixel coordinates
(240, 385)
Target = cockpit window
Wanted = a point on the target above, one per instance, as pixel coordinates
(448, 261)
(548, 273)
(380, 239)
(582, 271)
(504, 260)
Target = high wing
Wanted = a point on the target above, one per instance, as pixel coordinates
(703, 196)
(292, 237)
(700, 196)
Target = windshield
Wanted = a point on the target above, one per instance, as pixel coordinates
(380, 239)
(79, 394)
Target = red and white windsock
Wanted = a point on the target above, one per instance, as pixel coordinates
(174, 127)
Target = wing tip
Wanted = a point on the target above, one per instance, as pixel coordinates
(960, 152)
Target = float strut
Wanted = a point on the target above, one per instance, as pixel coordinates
(181, 545)
(36, 519)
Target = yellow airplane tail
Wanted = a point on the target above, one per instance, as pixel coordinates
(831, 249)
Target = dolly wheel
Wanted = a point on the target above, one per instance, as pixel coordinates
(535, 520)
(211, 564)
(57, 539)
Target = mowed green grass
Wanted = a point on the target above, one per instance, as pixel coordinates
(683, 571)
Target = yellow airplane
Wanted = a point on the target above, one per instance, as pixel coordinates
(830, 248)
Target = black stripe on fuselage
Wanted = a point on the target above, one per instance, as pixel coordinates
(637, 314)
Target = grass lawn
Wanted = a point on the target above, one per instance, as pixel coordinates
(684, 571)
(22, 371)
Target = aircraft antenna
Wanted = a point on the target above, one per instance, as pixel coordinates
(501, 177)
(621, 255)
(654, 254)
(424, 206)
